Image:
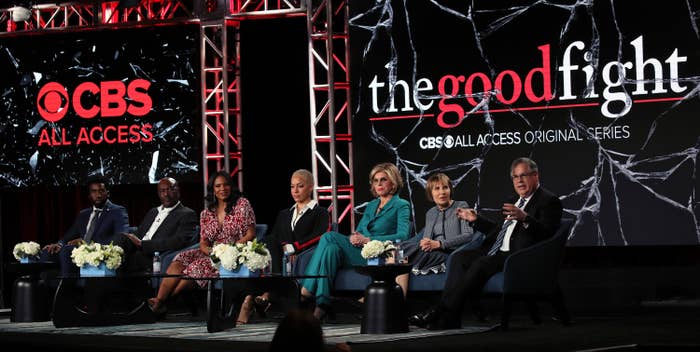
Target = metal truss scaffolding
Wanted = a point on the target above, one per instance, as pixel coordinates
(76, 14)
(329, 79)
(221, 101)
(331, 120)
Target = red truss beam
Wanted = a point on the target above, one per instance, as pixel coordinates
(265, 7)
(146, 10)
(67, 15)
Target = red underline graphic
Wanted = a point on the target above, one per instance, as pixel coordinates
(530, 108)
(402, 117)
(657, 100)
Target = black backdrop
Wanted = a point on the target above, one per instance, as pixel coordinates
(622, 152)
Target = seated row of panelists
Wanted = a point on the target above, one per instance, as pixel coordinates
(169, 226)
(229, 217)
(529, 217)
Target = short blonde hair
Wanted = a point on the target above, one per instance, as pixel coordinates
(306, 175)
(392, 172)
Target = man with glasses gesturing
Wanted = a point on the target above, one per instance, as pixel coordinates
(530, 217)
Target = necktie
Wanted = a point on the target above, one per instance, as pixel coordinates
(91, 227)
(504, 228)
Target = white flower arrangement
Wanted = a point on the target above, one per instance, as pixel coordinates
(253, 254)
(26, 250)
(374, 249)
(94, 254)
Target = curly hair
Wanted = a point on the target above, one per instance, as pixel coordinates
(230, 201)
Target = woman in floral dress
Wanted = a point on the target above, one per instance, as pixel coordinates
(228, 218)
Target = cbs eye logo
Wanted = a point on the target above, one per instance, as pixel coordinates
(114, 98)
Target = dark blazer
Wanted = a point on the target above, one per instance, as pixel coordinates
(113, 221)
(175, 232)
(544, 212)
(310, 226)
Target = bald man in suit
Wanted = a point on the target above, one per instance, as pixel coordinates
(170, 226)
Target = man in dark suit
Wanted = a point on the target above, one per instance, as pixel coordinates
(101, 223)
(531, 217)
(167, 227)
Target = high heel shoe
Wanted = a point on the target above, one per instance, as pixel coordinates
(156, 306)
(324, 312)
(262, 305)
(422, 320)
(307, 302)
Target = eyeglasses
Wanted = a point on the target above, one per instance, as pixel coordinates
(515, 177)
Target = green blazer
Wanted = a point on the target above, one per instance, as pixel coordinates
(391, 223)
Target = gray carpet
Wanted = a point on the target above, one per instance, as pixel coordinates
(197, 330)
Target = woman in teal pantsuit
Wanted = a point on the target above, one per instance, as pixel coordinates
(386, 218)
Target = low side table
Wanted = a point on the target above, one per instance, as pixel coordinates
(222, 312)
(30, 296)
(90, 301)
(385, 307)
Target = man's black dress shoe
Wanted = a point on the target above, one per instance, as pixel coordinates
(444, 322)
(422, 320)
(481, 317)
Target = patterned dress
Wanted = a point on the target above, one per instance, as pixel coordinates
(236, 223)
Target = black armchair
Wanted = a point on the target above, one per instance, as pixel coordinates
(531, 274)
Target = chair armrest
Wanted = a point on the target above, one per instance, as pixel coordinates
(260, 231)
(477, 240)
(166, 258)
(536, 268)
(302, 259)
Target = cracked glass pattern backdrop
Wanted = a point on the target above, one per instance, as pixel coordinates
(141, 97)
(602, 94)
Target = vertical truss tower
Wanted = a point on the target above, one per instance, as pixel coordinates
(329, 91)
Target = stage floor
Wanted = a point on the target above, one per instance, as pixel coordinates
(658, 329)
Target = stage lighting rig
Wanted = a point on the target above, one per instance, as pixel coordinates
(21, 12)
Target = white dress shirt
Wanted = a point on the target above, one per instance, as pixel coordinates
(162, 214)
(297, 214)
(505, 247)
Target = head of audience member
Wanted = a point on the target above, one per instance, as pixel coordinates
(98, 191)
(299, 330)
(525, 176)
(220, 189)
(438, 189)
(302, 186)
(385, 178)
(168, 192)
